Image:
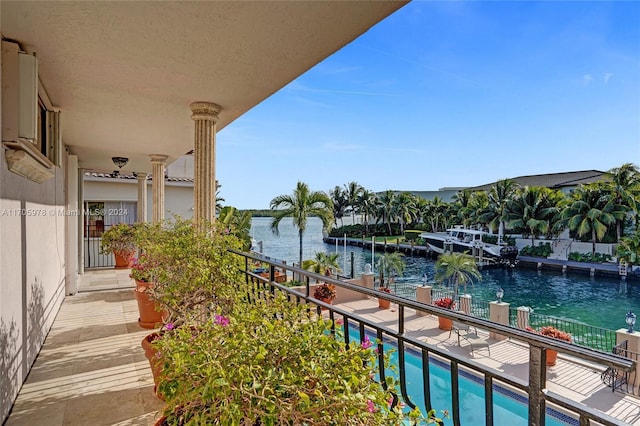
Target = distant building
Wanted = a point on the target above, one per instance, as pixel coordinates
(565, 182)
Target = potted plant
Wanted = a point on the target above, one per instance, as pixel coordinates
(325, 292)
(447, 303)
(192, 270)
(121, 240)
(384, 303)
(221, 376)
(150, 315)
(554, 333)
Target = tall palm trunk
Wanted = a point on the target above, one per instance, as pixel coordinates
(300, 232)
(593, 242)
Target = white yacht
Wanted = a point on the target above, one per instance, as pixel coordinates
(462, 240)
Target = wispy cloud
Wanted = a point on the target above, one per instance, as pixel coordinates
(587, 79)
(337, 146)
(607, 76)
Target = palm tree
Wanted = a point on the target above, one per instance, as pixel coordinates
(495, 215)
(301, 205)
(237, 223)
(385, 208)
(629, 249)
(532, 209)
(625, 190)
(325, 264)
(462, 207)
(351, 191)
(456, 269)
(404, 208)
(367, 206)
(437, 212)
(587, 214)
(340, 203)
(389, 264)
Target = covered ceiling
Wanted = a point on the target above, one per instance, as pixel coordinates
(124, 73)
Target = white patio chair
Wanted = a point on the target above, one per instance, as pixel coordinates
(470, 334)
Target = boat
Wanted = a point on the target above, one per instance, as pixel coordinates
(470, 241)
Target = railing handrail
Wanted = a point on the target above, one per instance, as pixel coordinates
(522, 335)
(535, 388)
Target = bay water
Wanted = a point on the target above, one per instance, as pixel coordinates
(597, 301)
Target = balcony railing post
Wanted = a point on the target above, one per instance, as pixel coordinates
(537, 382)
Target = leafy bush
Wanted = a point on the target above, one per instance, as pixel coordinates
(588, 257)
(121, 237)
(542, 250)
(412, 235)
(269, 363)
(359, 230)
(191, 268)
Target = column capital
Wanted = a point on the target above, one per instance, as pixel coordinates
(141, 176)
(158, 158)
(205, 111)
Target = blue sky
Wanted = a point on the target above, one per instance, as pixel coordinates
(449, 94)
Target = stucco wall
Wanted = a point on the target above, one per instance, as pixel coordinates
(178, 197)
(32, 271)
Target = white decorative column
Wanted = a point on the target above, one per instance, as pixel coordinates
(367, 277)
(633, 347)
(499, 313)
(158, 162)
(142, 197)
(423, 295)
(465, 303)
(205, 116)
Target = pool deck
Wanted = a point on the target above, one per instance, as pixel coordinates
(92, 370)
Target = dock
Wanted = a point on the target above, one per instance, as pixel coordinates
(564, 266)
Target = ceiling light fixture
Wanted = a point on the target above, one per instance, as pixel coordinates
(120, 161)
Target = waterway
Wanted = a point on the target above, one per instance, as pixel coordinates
(597, 301)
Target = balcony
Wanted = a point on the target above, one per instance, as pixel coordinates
(92, 369)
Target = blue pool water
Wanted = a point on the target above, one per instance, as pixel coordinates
(509, 408)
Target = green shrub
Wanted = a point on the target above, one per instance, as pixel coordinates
(121, 237)
(270, 363)
(191, 268)
(412, 234)
(588, 257)
(542, 250)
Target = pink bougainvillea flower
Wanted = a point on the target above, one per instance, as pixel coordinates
(221, 320)
(366, 344)
(169, 326)
(370, 407)
(339, 321)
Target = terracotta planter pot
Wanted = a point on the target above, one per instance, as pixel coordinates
(328, 301)
(384, 304)
(155, 361)
(149, 316)
(445, 324)
(124, 259)
(552, 357)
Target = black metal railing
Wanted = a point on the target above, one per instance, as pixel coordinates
(582, 334)
(93, 257)
(540, 399)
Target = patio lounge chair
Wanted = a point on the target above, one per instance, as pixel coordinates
(470, 334)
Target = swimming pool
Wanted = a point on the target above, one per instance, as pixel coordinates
(509, 407)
